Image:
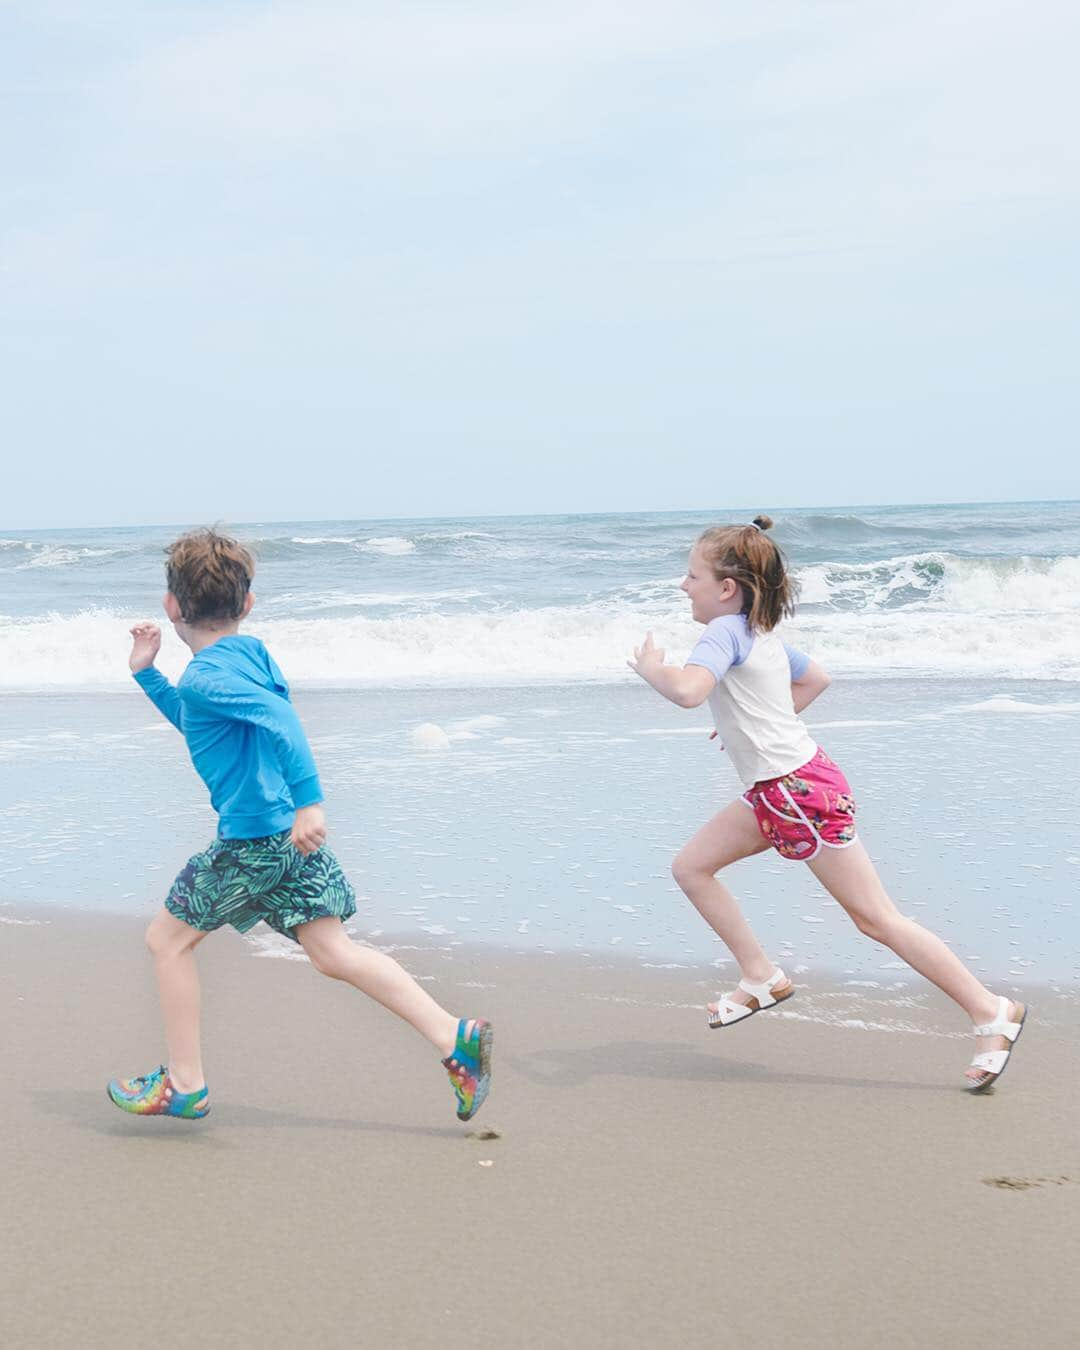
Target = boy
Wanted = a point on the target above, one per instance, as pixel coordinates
(269, 860)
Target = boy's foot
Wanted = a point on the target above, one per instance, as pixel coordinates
(153, 1094)
(469, 1066)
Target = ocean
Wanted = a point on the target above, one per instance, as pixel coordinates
(549, 819)
(919, 592)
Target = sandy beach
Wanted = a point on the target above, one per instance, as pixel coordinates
(806, 1178)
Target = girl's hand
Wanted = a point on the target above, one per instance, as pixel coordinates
(146, 646)
(647, 658)
(309, 829)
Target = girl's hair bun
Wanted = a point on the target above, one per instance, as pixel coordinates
(763, 522)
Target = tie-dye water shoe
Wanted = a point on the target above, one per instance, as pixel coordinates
(469, 1066)
(153, 1094)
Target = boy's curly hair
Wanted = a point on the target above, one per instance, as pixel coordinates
(210, 575)
(746, 553)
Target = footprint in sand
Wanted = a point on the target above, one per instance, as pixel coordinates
(1027, 1183)
(482, 1134)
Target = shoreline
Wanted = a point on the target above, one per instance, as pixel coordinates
(900, 1001)
(891, 980)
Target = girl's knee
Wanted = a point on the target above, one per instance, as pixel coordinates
(682, 871)
(877, 927)
(687, 873)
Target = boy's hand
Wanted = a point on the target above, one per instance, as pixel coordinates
(309, 829)
(146, 646)
(647, 658)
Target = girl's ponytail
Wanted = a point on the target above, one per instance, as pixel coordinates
(744, 553)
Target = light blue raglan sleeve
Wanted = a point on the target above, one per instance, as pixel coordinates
(726, 642)
(241, 701)
(797, 660)
(160, 693)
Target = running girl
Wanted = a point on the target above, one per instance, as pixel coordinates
(797, 800)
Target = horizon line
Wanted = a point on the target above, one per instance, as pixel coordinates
(544, 515)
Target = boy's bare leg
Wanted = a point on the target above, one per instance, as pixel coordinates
(172, 945)
(729, 836)
(332, 952)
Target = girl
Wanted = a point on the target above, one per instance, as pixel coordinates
(796, 799)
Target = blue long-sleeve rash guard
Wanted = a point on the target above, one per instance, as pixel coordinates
(245, 739)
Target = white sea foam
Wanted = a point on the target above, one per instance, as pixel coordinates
(428, 736)
(672, 731)
(290, 602)
(1002, 703)
(945, 582)
(55, 556)
(390, 544)
(1016, 618)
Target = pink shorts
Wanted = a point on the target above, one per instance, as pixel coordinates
(804, 810)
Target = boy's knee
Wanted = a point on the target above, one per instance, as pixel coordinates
(329, 959)
(164, 938)
(157, 938)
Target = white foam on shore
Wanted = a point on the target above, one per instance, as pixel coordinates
(429, 736)
(858, 722)
(275, 947)
(700, 730)
(1003, 703)
(864, 1024)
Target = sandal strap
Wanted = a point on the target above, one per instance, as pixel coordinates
(1001, 1025)
(727, 1012)
(763, 992)
(991, 1061)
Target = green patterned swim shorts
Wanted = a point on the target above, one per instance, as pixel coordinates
(243, 881)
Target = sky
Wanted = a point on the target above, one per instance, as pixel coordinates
(312, 261)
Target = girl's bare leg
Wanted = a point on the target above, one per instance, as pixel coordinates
(729, 836)
(332, 952)
(172, 945)
(851, 879)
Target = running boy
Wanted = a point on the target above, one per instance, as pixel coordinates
(269, 860)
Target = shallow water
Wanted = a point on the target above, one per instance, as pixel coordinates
(551, 820)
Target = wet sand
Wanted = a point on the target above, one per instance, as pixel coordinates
(813, 1182)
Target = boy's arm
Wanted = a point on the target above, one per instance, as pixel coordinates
(243, 701)
(141, 663)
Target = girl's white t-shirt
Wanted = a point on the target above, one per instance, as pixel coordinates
(751, 702)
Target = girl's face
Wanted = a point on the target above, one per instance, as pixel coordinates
(709, 598)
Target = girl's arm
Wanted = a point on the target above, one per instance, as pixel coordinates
(687, 686)
(813, 681)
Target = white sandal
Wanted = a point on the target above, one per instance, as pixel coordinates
(991, 1063)
(777, 988)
